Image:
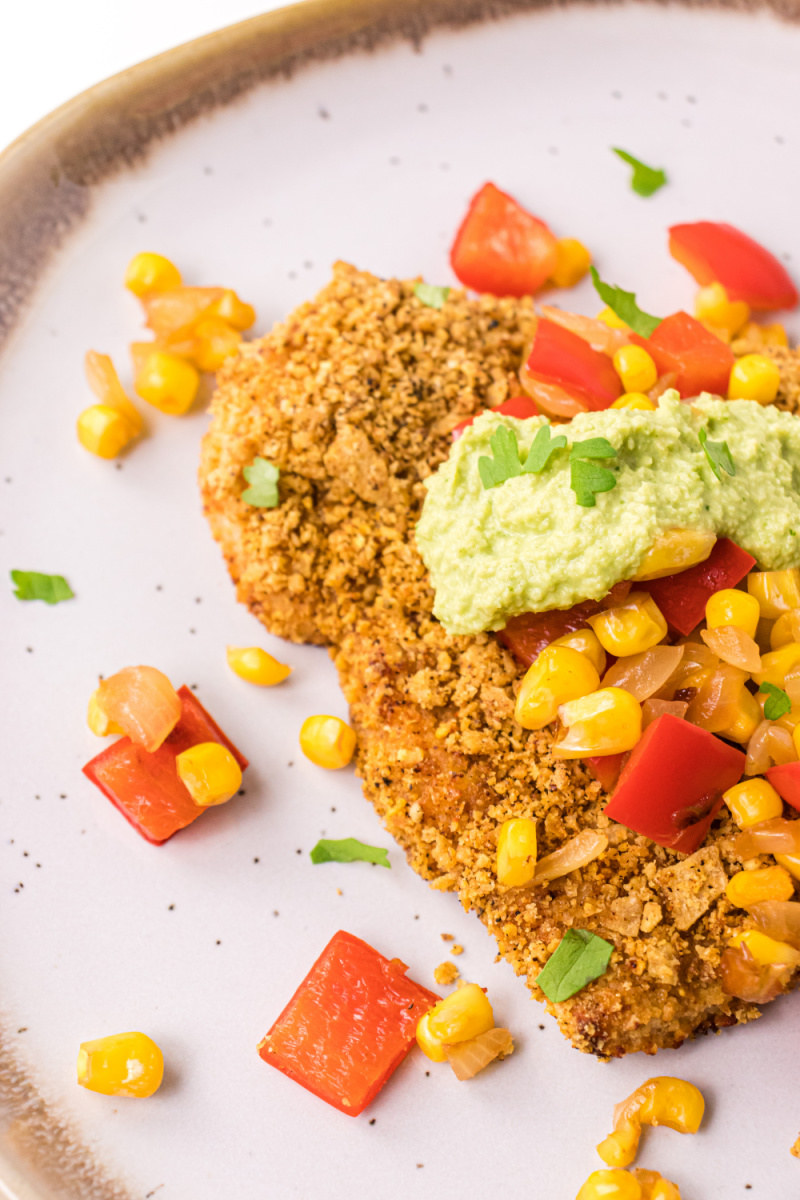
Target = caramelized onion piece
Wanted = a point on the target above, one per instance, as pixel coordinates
(468, 1058)
(694, 667)
(653, 709)
(599, 335)
(792, 684)
(644, 674)
(716, 705)
(777, 836)
(662, 384)
(746, 979)
(770, 744)
(733, 646)
(551, 399)
(578, 852)
(778, 919)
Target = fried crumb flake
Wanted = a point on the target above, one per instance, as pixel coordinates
(354, 398)
(446, 973)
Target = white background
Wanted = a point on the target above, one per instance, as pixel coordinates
(51, 50)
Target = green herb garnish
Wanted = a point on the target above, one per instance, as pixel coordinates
(349, 850)
(32, 585)
(263, 480)
(505, 464)
(718, 455)
(624, 305)
(430, 295)
(578, 958)
(777, 704)
(543, 446)
(585, 478)
(644, 180)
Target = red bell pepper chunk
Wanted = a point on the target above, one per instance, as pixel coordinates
(786, 781)
(349, 1025)
(671, 787)
(521, 407)
(715, 252)
(558, 356)
(682, 598)
(528, 634)
(682, 347)
(501, 248)
(606, 768)
(146, 787)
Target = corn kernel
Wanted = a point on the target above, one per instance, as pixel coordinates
(608, 721)
(611, 1185)
(675, 550)
(775, 335)
(430, 1046)
(631, 627)
(751, 887)
(462, 1015)
(635, 368)
(635, 400)
(732, 607)
(327, 741)
(776, 591)
(753, 801)
(747, 720)
(655, 1186)
(102, 377)
(217, 341)
(585, 642)
(663, 1100)
(754, 377)
(256, 666)
(558, 674)
(765, 950)
(713, 307)
(237, 314)
(516, 852)
(104, 431)
(572, 262)
(776, 665)
(210, 773)
(790, 863)
(148, 272)
(125, 1064)
(786, 629)
(97, 719)
(168, 383)
(610, 318)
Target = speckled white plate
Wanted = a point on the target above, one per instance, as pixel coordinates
(370, 157)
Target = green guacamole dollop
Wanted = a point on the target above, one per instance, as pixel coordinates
(527, 545)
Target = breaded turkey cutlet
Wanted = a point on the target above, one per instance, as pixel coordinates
(354, 398)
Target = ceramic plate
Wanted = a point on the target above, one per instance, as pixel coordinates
(258, 177)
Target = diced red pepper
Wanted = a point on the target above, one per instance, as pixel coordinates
(521, 407)
(786, 781)
(349, 1025)
(145, 787)
(501, 248)
(528, 634)
(558, 356)
(606, 768)
(682, 598)
(715, 252)
(671, 787)
(682, 347)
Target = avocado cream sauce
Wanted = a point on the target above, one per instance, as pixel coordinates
(527, 545)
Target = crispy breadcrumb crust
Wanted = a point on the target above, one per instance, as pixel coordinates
(354, 398)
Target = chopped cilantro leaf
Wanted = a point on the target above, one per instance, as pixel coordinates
(578, 958)
(505, 464)
(624, 305)
(32, 585)
(586, 480)
(644, 180)
(543, 446)
(718, 455)
(349, 850)
(597, 447)
(263, 480)
(430, 295)
(777, 703)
